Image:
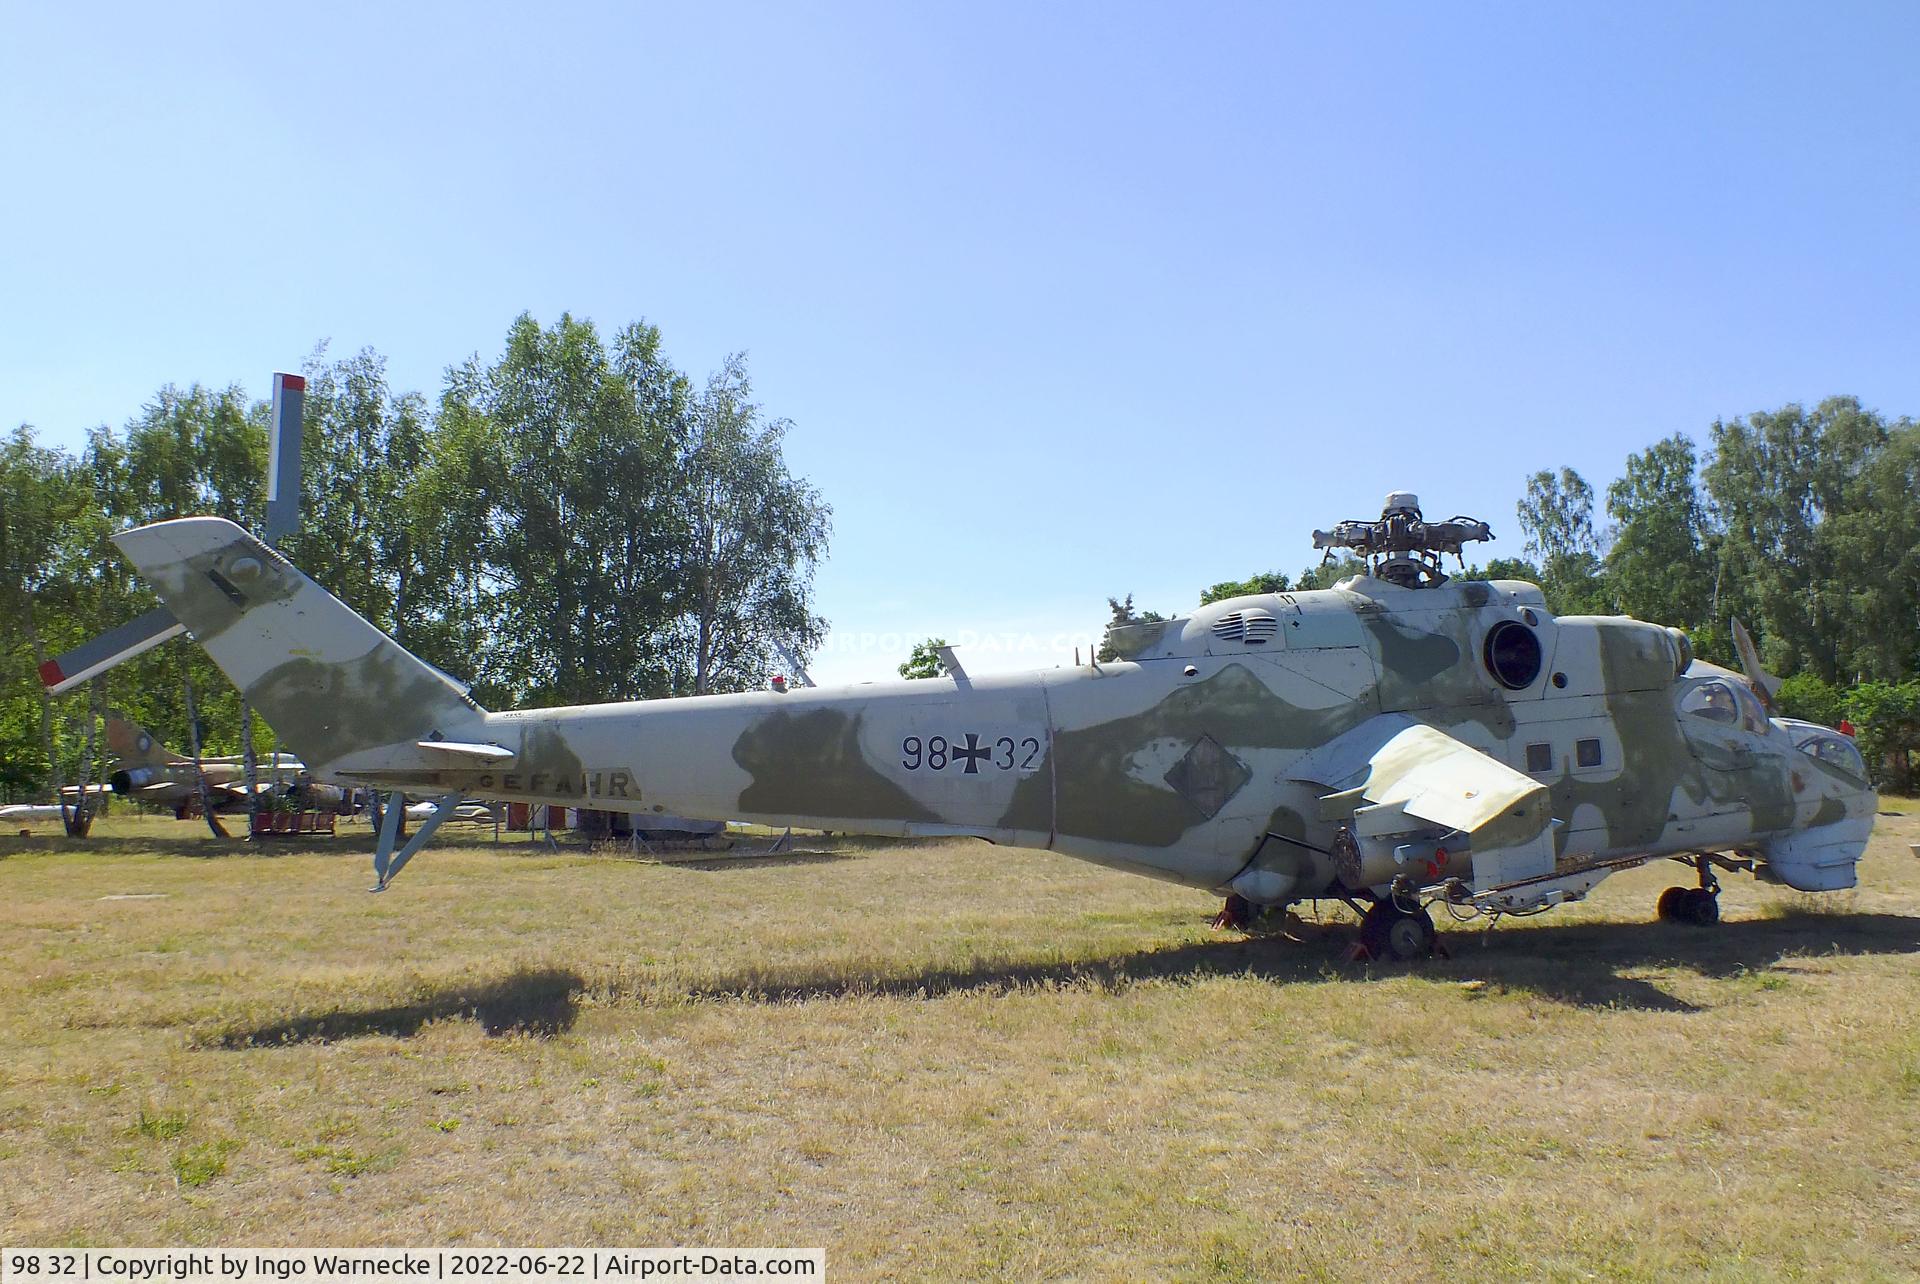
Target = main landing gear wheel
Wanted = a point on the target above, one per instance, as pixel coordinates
(1701, 907)
(1390, 932)
(1697, 905)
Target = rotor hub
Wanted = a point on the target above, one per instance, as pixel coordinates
(1401, 546)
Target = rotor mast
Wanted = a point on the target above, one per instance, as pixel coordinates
(1401, 547)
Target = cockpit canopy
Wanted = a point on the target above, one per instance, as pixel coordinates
(1836, 750)
(1719, 700)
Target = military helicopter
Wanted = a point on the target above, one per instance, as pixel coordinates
(1400, 741)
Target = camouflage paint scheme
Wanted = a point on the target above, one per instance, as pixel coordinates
(1365, 714)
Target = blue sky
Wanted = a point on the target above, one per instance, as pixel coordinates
(1063, 300)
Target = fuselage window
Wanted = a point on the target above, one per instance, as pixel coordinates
(1539, 758)
(1587, 753)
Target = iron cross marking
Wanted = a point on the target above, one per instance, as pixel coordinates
(973, 753)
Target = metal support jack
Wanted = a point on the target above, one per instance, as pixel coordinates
(386, 864)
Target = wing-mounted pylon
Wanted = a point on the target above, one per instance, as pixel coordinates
(1412, 805)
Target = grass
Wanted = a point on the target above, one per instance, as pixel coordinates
(201, 1163)
(161, 1125)
(945, 1059)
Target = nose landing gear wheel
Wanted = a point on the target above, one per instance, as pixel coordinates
(1390, 932)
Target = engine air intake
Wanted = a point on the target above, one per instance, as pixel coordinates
(1254, 628)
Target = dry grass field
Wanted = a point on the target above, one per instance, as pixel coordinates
(946, 1060)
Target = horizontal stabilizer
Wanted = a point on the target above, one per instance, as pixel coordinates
(468, 749)
(65, 672)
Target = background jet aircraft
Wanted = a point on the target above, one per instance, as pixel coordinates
(149, 772)
(30, 811)
(1397, 741)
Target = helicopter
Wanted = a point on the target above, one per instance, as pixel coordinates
(1400, 742)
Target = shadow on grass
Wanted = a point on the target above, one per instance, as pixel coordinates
(721, 864)
(539, 1002)
(354, 840)
(1579, 964)
(196, 846)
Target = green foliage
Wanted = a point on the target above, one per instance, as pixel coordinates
(1886, 718)
(1811, 698)
(1557, 516)
(1325, 575)
(1266, 582)
(557, 538)
(1123, 613)
(754, 534)
(1820, 545)
(1661, 561)
(47, 528)
(1504, 568)
(362, 452)
(924, 662)
(605, 532)
(574, 521)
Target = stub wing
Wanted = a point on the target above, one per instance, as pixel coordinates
(1437, 778)
(1416, 798)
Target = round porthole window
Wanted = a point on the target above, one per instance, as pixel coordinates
(1513, 655)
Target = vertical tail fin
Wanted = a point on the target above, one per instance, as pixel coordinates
(134, 746)
(330, 683)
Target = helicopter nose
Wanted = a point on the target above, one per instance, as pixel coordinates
(1823, 858)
